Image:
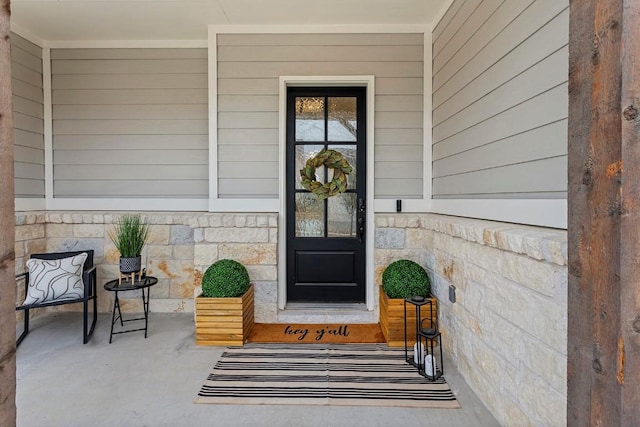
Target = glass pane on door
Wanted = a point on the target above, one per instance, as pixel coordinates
(304, 153)
(341, 215)
(349, 152)
(309, 119)
(343, 123)
(309, 216)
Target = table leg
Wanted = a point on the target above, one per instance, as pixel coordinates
(145, 307)
(119, 310)
(116, 305)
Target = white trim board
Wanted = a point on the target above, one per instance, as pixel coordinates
(427, 126)
(137, 204)
(23, 204)
(287, 81)
(47, 104)
(214, 201)
(540, 212)
(124, 44)
(408, 205)
(321, 29)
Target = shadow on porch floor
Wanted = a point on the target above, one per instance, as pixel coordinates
(152, 382)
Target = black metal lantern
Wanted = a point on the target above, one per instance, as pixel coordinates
(427, 350)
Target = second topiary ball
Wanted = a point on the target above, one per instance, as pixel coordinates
(225, 279)
(404, 279)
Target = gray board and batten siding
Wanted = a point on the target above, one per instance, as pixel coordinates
(500, 100)
(130, 123)
(249, 67)
(28, 118)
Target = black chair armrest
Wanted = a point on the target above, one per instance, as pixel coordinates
(89, 279)
(91, 271)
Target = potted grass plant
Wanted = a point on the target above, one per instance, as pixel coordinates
(401, 279)
(129, 235)
(224, 311)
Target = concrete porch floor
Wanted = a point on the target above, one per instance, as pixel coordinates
(152, 382)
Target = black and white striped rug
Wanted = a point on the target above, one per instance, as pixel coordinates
(321, 374)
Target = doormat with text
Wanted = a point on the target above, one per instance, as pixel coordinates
(316, 333)
(321, 374)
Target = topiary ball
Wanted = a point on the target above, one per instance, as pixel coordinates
(224, 279)
(404, 279)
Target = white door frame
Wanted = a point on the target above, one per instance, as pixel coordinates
(286, 81)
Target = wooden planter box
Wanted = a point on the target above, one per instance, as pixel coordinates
(392, 319)
(224, 321)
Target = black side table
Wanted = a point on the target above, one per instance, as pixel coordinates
(427, 337)
(144, 285)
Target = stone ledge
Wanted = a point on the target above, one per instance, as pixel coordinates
(544, 244)
(28, 218)
(191, 219)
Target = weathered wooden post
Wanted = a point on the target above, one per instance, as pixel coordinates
(604, 213)
(7, 230)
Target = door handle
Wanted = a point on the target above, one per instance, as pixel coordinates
(362, 208)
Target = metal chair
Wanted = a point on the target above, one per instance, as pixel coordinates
(90, 294)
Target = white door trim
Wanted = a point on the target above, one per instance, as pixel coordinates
(286, 81)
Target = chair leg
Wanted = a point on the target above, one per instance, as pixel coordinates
(95, 316)
(88, 332)
(25, 331)
(85, 321)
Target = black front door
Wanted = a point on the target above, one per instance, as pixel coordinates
(326, 238)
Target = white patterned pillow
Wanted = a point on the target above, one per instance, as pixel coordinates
(55, 279)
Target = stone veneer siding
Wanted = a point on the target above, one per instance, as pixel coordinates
(180, 248)
(507, 330)
(30, 239)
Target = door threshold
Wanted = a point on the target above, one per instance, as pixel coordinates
(326, 313)
(325, 306)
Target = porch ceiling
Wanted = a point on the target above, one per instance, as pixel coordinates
(188, 19)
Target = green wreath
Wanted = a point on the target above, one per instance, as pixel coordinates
(331, 159)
